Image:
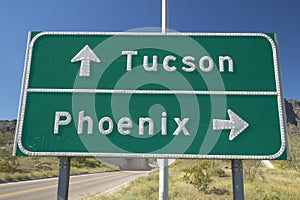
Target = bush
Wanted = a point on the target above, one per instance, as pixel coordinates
(92, 162)
(8, 177)
(42, 166)
(19, 176)
(219, 172)
(8, 166)
(251, 168)
(200, 176)
(80, 162)
(218, 191)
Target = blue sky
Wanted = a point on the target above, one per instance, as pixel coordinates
(17, 17)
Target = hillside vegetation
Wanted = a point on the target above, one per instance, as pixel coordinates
(259, 183)
(24, 168)
(193, 179)
(211, 179)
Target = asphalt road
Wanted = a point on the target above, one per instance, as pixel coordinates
(80, 186)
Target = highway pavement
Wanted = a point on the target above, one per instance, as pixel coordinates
(80, 186)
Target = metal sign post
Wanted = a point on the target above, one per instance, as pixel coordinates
(237, 179)
(163, 179)
(63, 179)
(163, 163)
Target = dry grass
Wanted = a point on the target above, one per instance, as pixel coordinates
(45, 167)
(279, 183)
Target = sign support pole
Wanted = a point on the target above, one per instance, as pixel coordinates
(164, 16)
(237, 179)
(63, 179)
(163, 179)
(163, 163)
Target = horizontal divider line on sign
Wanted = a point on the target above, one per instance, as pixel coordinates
(189, 92)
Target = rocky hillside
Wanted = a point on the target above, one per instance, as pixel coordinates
(292, 108)
(7, 126)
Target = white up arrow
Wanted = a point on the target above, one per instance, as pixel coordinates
(236, 124)
(85, 55)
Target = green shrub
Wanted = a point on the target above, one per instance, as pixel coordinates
(8, 177)
(218, 191)
(200, 176)
(42, 166)
(92, 162)
(271, 197)
(251, 168)
(80, 162)
(219, 172)
(21, 177)
(8, 166)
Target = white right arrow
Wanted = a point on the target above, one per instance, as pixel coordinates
(236, 124)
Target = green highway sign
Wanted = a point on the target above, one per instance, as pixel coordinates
(164, 95)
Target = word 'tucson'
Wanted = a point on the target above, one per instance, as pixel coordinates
(206, 63)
